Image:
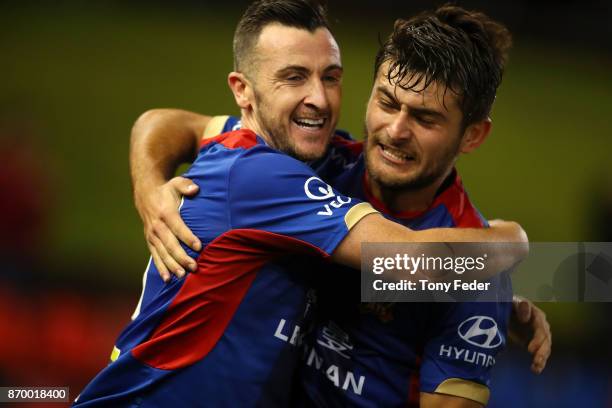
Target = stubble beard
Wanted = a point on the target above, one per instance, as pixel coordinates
(279, 138)
(423, 178)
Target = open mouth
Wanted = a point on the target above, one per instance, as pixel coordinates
(395, 155)
(311, 124)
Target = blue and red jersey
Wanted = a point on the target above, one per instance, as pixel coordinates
(384, 355)
(228, 333)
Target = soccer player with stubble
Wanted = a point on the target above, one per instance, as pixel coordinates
(208, 338)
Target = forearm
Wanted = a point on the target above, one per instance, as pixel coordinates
(374, 228)
(161, 140)
(503, 249)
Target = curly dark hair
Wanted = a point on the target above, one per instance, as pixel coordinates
(465, 51)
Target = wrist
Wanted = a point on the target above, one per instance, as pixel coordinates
(145, 186)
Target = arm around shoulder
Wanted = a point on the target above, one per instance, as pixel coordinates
(376, 228)
(161, 140)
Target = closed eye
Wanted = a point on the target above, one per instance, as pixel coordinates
(425, 121)
(331, 79)
(388, 105)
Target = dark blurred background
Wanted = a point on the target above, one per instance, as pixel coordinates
(75, 75)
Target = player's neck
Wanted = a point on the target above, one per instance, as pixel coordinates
(407, 200)
(249, 122)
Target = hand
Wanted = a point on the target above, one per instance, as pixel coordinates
(528, 326)
(163, 226)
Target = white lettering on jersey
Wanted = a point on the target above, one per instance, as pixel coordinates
(314, 357)
(296, 337)
(468, 356)
(346, 382)
(316, 189)
(335, 339)
(332, 374)
(350, 380)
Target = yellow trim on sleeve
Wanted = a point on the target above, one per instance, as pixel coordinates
(355, 214)
(214, 127)
(465, 389)
(115, 354)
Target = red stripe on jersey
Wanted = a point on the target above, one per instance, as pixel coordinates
(199, 314)
(459, 206)
(414, 384)
(244, 138)
(414, 391)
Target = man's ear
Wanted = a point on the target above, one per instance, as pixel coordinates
(475, 135)
(241, 88)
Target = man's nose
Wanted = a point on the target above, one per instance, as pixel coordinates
(399, 128)
(317, 95)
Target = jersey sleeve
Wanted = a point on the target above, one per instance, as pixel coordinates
(220, 124)
(272, 192)
(459, 356)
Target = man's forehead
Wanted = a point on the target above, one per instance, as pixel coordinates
(277, 40)
(434, 95)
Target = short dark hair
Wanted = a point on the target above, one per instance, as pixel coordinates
(305, 14)
(466, 51)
